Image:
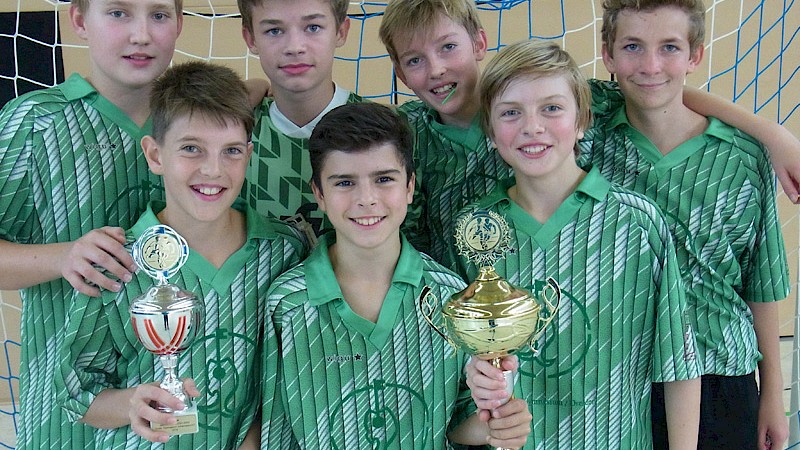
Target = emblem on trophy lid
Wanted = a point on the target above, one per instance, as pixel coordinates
(160, 252)
(483, 237)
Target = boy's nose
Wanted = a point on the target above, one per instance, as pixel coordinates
(210, 167)
(650, 63)
(366, 196)
(533, 126)
(295, 44)
(438, 68)
(140, 31)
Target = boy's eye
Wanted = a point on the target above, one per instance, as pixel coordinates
(448, 47)
(509, 113)
(552, 108)
(343, 183)
(160, 16)
(273, 31)
(314, 28)
(234, 151)
(412, 61)
(631, 47)
(671, 48)
(385, 179)
(190, 149)
(116, 14)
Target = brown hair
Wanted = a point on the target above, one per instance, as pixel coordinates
(338, 7)
(357, 127)
(693, 8)
(198, 87)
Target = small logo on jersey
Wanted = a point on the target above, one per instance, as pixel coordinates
(94, 147)
(343, 359)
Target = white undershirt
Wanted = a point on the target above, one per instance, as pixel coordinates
(287, 127)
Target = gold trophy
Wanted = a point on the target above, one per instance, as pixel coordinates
(166, 318)
(491, 318)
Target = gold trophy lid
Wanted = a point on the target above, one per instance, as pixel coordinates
(160, 252)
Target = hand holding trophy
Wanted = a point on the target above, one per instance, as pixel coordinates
(491, 318)
(166, 318)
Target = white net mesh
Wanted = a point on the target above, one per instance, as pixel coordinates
(752, 57)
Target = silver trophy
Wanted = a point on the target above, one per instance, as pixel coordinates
(166, 318)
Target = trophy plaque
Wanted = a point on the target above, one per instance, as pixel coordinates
(166, 318)
(491, 318)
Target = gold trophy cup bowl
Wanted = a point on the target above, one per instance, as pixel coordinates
(491, 319)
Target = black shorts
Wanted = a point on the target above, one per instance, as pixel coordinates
(728, 414)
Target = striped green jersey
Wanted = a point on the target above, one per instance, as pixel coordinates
(620, 325)
(278, 181)
(454, 168)
(717, 191)
(100, 350)
(348, 383)
(70, 162)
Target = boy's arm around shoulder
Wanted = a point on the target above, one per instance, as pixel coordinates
(23, 264)
(783, 146)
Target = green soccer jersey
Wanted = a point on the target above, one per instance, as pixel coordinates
(348, 383)
(70, 162)
(100, 350)
(620, 325)
(717, 191)
(454, 168)
(278, 182)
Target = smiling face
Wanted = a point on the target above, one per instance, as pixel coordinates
(131, 42)
(442, 63)
(651, 57)
(534, 122)
(365, 195)
(203, 163)
(295, 41)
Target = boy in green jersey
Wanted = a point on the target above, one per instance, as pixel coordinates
(359, 365)
(715, 185)
(71, 172)
(200, 147)
(295, 41)
(621, 325)
(436, 47)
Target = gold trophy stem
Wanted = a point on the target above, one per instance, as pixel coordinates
(509, 376)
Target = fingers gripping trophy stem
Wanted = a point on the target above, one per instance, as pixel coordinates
(509, 377)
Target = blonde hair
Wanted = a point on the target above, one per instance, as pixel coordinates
(693, 8)
(404, 18)
(533, 58)
(338, 7)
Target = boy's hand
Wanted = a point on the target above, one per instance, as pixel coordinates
(510, 425)
(102, 247)
(773, 427)
(786, 163)
(143, 411)
(488, 385)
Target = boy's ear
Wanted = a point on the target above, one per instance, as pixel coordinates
(249, 40)
(152, 155)
(341, 33)
(696, 58)
(318, 196)
(480, 44)
(410, 188)
(608, 60)
(77, 20)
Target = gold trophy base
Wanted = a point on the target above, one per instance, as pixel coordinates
(187, 422)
